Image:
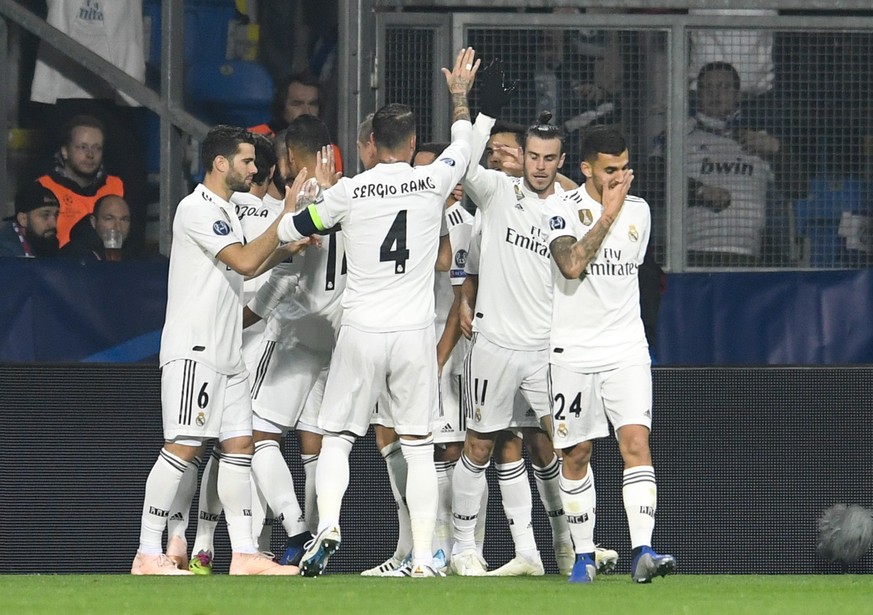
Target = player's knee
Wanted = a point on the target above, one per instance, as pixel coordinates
(577, 458)
(478, 448)
(634, 446)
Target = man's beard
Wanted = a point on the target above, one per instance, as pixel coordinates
(42, 246)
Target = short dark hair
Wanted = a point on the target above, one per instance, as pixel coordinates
(432, 148)
(393, 124)
(542, 129)
(365, 129)
(223, 140)
(601, 140)
(265, 158)
(99, 203)
(79, 121)
(280, 92)
(307, 133)
(717, 66)
(511, 128)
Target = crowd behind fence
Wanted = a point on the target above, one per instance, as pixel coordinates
(763, 160)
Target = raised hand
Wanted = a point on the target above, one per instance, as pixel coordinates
(494, 94)
(459, 81)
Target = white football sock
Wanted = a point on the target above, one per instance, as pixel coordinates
(332, 478)
(177, 524)
(310, 505)
(547, 480)
(235, 492)
(640, 493)
(442, 535)
(421, 496)
(580, 500)
(161, 487)
(479, 530)
(468, 485)
(274, 480)
(517, 504)
(397, 476)
(209, 507)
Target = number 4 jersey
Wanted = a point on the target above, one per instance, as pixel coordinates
(391, 218)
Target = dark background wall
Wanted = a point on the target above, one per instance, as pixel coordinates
(747, 459)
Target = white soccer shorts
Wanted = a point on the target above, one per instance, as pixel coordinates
(282, 381)
(584, 405)
(493, 375)
(365, 364)
(199, 403)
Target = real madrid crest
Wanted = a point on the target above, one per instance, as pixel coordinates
(519, 195)
(563, 432)
(478, 414)
(586, 217)
(632, 233)
(201, 419)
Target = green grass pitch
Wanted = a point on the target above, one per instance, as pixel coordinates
(219, 595)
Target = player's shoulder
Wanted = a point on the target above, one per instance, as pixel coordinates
(569, 197)
(636, 202)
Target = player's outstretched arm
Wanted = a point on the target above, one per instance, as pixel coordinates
(572, 256)
(248, 259)
(459, 81)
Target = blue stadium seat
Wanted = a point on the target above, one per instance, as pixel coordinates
(818, 217)
(233, 92)
(206, 29)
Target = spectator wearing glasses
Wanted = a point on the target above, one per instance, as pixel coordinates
(77, 177)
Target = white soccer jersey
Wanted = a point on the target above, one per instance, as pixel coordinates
(311, 314)
(460, 225)
(719, 161)
(391, 218)
(256, 216)
(595, 321)
(514, 299)
(472, 265)
(204, 297)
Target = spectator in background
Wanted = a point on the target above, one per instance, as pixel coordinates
(101, 235)
(295, 95)
(32, 231)
(62, 89)
(78, 177)
(366, 144)
(749, 51)
(730, 179)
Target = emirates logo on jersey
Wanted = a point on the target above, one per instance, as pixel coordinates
(586, 217)
(632, 233)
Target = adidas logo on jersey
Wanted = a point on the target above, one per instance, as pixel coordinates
(518, 206)
(177, 517)
(447, 429)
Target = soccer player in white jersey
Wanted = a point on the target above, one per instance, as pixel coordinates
(600, 369)
(387, 440)
(204, 386)
(449, 426)
(256, 209)
(503, 152)
(391, 217)
(508, 353)
(295, 353)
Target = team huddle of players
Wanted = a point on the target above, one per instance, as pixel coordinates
(540, 342)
